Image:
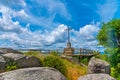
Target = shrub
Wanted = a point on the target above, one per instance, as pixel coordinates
(54, 53)
(85, 61)
(115, 73)
(11, 66)
(55, 62)
(31, 53)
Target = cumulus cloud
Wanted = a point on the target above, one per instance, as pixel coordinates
(57, 35)
(57, 38)
(28, 39)
(12, 13)
(86, 36)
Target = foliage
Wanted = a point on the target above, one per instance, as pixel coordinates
(55, 62)
(31, 53)
(103, 57)
(109, 34)
(72, 70)
(54, 53)
(11, 66)
(85, 61)
(109, 37)
(114, 73)
(74, 73)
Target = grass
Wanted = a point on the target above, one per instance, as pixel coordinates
(73, 70)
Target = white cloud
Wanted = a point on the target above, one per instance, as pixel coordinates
(86, 37)
(24, 13)
(6, 23)
(21, 13)
(12, 13)
(107, 10)
(55, 7)
(58, 34)
(28, 39)
(57, 38)
(52, 8)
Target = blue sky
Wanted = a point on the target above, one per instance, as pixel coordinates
(42, 23)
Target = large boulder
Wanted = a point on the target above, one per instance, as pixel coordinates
(14, 56)
(98, 76)
(9, 56)
(36, 73)
(21, 60)
(28, 62)
(2, 62)
(96, 65)
(1, 52)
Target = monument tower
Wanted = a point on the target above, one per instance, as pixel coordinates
(69, 49)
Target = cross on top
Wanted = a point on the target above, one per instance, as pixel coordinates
(68, 30)
(68, 44)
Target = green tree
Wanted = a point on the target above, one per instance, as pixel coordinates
(109, 37)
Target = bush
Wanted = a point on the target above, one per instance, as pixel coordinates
(11, 66)
(54, 53)
(55, 62)
(103, 57)
(31, 53)
(115, 73)
(85, 61)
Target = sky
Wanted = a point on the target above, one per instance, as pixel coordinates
(41, 24)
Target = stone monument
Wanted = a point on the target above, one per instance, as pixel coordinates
(69, 49)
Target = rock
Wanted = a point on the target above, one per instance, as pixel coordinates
(23, 61)
(8, 50)
(14, 56)
(98, 66)
(1, 52)
(2, 62)
(98, 76)
(28, 62)
(9, 55)
(36, 73)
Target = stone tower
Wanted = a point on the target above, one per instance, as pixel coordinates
(69, 50)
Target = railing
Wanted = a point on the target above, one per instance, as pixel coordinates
(81, 51)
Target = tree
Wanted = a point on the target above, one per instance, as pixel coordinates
(109, 37)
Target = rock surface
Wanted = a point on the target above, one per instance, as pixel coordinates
(8, 50)
(21, 60)
(28, 62)
(98, 66)
(98, 76)
(2, 62)
(14, 56)
(36, 73)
